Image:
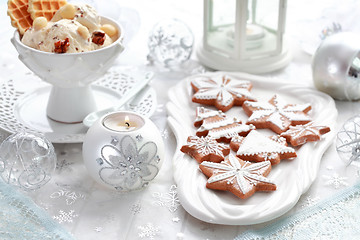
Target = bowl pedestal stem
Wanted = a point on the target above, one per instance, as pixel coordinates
(70, 105)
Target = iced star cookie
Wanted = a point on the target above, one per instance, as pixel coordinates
(256, 147)
(239, 177)
(217, 125)
(276, 114)
(205, 149)
(301, 134)
(221, 91)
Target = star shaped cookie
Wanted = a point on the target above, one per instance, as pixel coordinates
(205, 149)
(221, 91)
(217, 125)
(239, 177)
(301, 134)
(257, 147)
(276, 114)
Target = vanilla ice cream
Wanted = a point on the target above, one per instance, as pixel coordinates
(74, 28)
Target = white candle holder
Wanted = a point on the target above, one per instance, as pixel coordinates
(123, 151)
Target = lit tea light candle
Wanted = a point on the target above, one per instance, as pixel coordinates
(123, 122)
(254, 32)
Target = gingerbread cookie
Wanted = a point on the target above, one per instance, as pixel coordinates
(301, 134)
(221, 91)
(217, 125)
(205, 149)
(276, 114)
(239, 177)
(256, 147)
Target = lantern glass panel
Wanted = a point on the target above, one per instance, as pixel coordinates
(221, 19)
(262, 34)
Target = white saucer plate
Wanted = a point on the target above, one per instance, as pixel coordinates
(23, 100)
(292, 177)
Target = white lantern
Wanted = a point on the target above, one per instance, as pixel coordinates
(244, 35)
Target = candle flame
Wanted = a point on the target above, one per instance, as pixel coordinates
(127, 121)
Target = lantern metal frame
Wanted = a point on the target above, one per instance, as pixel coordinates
(241, 59)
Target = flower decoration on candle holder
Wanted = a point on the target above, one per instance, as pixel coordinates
(27, 160)
(123, 151)
(244, 35)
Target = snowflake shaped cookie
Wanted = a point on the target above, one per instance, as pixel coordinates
(256, 147)
(221, 91)
(276, 114)
(217, 125)
(301, 134)
(239, 177)
(205, 149)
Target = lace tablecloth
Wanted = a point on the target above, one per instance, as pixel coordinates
(88, 212)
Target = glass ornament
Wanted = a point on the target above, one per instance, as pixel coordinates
(27, 160)
(170, 43)
(348, 140)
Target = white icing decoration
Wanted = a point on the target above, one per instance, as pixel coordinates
(223, 126)
(279, 112)
(298, 130)
(218, 124)
(221, 88)
(207, 145)
(203, 113)
(231, 131)
(256, 143)
(246, 176)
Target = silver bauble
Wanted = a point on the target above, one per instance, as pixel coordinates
(336, 66)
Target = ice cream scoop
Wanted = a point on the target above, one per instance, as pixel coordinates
(73, 29)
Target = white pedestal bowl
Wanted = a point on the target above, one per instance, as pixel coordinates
(70, 75)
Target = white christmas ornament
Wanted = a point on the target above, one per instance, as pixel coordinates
(170, 43)
(336, 66)
(123, 151)
(27, 160)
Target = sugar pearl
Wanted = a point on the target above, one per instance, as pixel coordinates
(68, 11)
(39, 23)
(83, 32)
(109, 29)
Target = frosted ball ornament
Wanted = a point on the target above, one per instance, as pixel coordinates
(336, 66)
(123, 151)
(27, 160)
(170, 43)
(348, 140)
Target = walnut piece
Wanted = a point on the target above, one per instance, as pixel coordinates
(98, 37)
(61, 46)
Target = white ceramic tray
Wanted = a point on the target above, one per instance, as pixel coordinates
(23, 100)
(292, 177)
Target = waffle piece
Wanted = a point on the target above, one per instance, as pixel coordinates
(44, 8)
(19, 15)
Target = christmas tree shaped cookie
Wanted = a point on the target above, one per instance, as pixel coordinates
(221, 91)
(217, 125)
(239, 177)
(205, 149)
(256, 147)
(276, 114)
